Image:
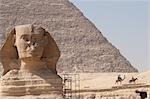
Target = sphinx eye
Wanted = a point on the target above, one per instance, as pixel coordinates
(25, 38)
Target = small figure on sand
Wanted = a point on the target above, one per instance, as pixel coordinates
(133, 80)
(120, 79)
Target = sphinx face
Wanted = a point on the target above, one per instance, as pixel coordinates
(29, 41)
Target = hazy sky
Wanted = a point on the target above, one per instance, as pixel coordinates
(125, 24)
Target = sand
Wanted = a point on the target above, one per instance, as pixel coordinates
(108, 80)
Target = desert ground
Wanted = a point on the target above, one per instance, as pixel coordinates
(104, 86)
(101, 86)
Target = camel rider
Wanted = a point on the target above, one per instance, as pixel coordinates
(119, 77)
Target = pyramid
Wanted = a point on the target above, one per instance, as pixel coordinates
(83, 47)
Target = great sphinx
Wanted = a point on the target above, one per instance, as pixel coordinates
(29, 58)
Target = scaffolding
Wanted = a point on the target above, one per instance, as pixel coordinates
(77, 86)
(71, 88)
(67, 86)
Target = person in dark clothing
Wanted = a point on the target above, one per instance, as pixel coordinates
(143, 94)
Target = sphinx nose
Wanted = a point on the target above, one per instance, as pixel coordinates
(29, 42)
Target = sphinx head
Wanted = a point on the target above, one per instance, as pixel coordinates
(28, 41)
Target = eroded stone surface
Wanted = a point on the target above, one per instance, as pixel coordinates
(29, 58)
(18, 83)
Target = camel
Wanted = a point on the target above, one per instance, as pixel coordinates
(120, 79)
(133, 80)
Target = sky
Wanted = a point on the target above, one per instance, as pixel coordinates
(125, 23)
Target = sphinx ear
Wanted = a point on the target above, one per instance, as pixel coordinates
(8, 52)
(51, 53)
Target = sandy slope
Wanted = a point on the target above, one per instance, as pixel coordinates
(107, 80)
(144, 77)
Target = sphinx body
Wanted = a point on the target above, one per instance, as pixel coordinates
(29, 58)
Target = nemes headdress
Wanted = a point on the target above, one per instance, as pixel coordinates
(9, 54)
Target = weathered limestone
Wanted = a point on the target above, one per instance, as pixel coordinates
(16, 83)
(29, 58)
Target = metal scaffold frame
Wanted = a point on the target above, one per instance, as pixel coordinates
(71, 86)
